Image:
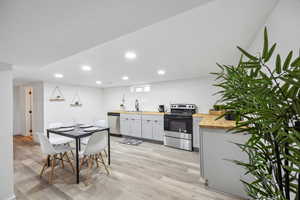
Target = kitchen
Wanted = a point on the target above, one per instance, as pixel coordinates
(185, 129)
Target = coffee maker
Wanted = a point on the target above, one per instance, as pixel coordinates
(161, 108)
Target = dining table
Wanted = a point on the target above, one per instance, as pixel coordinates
(77, 133)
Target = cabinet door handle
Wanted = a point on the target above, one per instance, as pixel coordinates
(155, 120)
(148, 120)
(132, 119)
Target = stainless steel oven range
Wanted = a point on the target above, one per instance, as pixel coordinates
(178, 126)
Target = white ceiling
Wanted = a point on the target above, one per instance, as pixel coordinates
(35, 33)
(187, 45)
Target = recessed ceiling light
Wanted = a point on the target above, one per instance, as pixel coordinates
(130, 55)
(125, 78)
(86, 68)
(161, 72)
(98, 82)
(57, 75)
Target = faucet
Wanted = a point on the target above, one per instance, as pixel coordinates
(137, 105)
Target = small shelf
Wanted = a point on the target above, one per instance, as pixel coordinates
(76, 105)
(57, 99)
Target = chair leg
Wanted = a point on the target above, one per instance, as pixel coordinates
(62, 160)
(97, 160)
(53, 163)
(105, 153)
(44, 167)
(68, 159)
(73, 156)
(90, 166)
(107, 171)
(82, 162)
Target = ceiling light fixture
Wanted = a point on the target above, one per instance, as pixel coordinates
(57, 75)
(98, 82)
(161, 72)
(86, 68)
(130, 55)
(125, 78)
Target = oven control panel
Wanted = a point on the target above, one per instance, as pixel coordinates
(183, 106)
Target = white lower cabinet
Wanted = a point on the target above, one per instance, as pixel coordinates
(158, 130)
(142, 126)
(152, 127)
(136, 128)
(130, 125)
(124, 126)
(147, 129)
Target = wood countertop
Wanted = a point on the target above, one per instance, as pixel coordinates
(209, 121)
(138, 113)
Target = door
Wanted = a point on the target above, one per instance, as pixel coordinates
(147, 129)
(158, 130)
(28, 111)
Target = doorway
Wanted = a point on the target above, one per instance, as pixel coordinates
(28, 110)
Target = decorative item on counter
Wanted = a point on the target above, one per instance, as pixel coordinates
(56, 95)
(137, 105)
(161, 108)
(218, 109)
(76, 102)
(122, 105)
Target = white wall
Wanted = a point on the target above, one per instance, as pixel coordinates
(283, 28)
(195, 91)
(91, 110)
(18, 128)
(6, 139)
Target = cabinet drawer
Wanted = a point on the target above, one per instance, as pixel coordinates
(130, 116)
(153, 117)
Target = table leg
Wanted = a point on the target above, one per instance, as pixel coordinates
(48, 159)
(79, 144)
(108, 144)
(77, 160)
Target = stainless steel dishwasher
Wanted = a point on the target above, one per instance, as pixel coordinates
(114, 123)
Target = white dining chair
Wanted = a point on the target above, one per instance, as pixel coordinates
(53, 153)
(92, 152)
(57, 139)
(99, 123)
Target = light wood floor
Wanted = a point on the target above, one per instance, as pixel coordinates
(144, 172)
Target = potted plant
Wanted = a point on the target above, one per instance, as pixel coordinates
(266, 96)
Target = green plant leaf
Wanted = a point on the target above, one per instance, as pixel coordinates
(270, 52)
(266, 43)
(251, 57)
(287, 60)
(278, 64)
(296, 62)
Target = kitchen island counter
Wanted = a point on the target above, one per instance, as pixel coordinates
(209, 121)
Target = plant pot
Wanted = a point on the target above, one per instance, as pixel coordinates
(230, 116)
